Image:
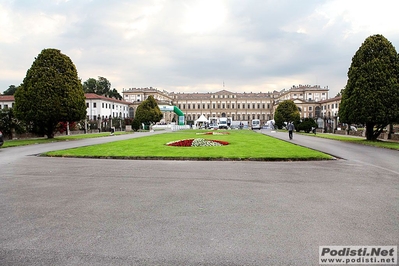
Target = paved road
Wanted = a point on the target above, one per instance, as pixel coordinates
(57, 211)
(384, 159)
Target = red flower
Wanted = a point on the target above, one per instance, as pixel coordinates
(221, 142)
(189, 142)
(181, 143)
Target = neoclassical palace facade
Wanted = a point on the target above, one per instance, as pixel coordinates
(312, 101)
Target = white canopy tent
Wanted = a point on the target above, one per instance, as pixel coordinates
(201, 120)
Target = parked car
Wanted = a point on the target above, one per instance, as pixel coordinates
(1, 139)
(213, 126)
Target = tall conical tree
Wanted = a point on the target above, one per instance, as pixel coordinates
(50, 93)
(371, 95)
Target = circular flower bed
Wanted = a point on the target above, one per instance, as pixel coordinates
(197, 143)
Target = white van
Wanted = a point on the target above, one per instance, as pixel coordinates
(223, 123)
(255, 124)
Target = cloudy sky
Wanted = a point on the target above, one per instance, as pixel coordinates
(195, 45)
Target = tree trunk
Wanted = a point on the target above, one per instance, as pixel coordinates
(390, 131)
(50, 135)
(370, 131)
(50, 131)
(67, 128)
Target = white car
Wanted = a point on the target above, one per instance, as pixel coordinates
(213, 126)
(255, 124)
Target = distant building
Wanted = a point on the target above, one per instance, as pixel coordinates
(6, 101)
(306, 97)
(136, 95)
(97, 106)
(234, 106)
(100, 107)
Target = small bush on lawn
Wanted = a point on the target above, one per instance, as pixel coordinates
(307, 124)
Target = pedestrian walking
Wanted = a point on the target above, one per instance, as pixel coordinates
(291, 129)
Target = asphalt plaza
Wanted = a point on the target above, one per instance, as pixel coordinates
(58, 211)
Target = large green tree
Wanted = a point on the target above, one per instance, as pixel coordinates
(371, 95)
(148, 112)
(286, 111)
(50, 93)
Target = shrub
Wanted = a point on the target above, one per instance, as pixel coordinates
(306, 125)
(136, 124)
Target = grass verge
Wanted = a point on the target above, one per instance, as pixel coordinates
(244, 145)
(23, 142)
(359, 140)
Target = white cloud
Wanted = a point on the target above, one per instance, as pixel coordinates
(203, 16)
(16, 27)
(362, 16)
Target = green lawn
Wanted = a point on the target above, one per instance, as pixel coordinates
(23, 142)
(244, 145)
(360, 140)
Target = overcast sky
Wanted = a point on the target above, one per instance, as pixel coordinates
(195, 45)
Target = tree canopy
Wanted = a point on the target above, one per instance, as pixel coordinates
(371, 95)
(101, 86)
(148, 111)
(286, 111)
(50, 93)
(11, 90)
